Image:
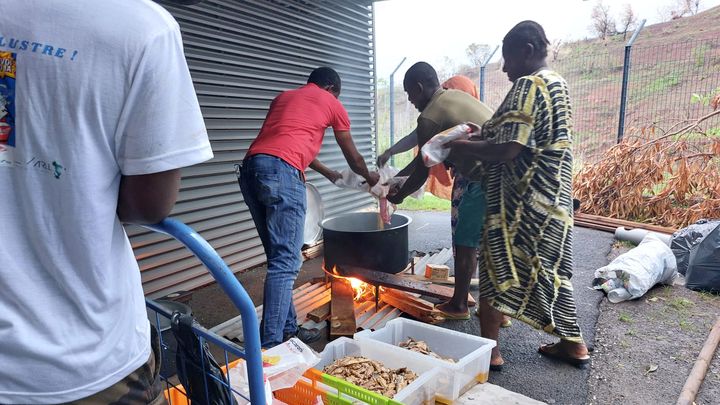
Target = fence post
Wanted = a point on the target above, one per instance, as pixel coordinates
(392, 107)
(625, 78)
(482, 73)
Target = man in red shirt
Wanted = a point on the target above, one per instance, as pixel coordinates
(272, 182)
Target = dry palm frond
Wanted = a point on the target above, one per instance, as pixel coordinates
(672, 180)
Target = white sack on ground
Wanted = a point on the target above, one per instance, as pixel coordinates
(632, 274)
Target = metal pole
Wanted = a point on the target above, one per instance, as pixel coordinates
(482, 73)
(392, 107)
(625, 79)
(376, 119)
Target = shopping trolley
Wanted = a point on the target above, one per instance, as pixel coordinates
(251, 353)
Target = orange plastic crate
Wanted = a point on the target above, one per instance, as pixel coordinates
(176, 395)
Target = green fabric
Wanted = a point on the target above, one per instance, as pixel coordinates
(471, 216)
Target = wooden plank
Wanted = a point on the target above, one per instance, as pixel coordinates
(421, 278)
(410, 298)
(321, 313)
(393, 314)
(312, 303)
(379, 316)
(363, 311)
(342, 309)
(232, 328)
(309, 295)
(612, 223)
(418, 312)
(400, 283)
(322, 300)
(375, 317)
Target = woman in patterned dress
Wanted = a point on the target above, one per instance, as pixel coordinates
(526, 154)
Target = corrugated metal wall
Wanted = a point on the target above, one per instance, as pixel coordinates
(241, 55)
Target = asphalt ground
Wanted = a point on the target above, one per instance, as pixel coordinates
(525, 371)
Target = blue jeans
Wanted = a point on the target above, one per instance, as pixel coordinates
(274, 192)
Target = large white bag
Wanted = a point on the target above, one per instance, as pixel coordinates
(283, 365)
(632, 274)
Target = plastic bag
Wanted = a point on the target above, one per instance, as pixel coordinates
(434, 152)
(703, 271)
(351, 180)
(198, 371)
(283, 365)
(684, 240)
(355, 181)
(632, 274)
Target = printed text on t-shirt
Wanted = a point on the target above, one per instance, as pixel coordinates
(37, 47)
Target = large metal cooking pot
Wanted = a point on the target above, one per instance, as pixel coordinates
(313, 215)
(355, 239)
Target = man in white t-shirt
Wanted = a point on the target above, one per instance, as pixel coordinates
(99, 115)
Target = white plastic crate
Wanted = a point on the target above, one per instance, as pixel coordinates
(419, 392)
(471, 353)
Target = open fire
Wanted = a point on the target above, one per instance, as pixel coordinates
(362, 290)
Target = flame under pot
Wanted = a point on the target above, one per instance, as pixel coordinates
(355, 239)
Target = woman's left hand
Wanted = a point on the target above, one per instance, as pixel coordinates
(455, 148)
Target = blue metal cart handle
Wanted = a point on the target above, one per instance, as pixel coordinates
(232, 287)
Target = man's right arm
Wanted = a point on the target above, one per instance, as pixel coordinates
(327, 172)
(354, 158)
(408, 142)
(161, 130)
(416, 170)
(147, 198)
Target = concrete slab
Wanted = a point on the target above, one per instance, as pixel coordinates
(491, 394)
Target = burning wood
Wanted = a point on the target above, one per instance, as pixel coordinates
(342, 309)
(371, 375)
(398, 282)
(363, 291)
(420, 346)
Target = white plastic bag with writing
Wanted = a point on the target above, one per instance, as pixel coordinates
(283, 365)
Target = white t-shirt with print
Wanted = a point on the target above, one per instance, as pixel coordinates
(89, 90)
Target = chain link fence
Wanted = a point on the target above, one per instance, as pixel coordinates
(662, 79)
(668, 85)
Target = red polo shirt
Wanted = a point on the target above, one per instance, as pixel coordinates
(296, 123)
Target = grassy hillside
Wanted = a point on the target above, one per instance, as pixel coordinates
(669, 63)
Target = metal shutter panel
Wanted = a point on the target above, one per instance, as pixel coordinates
(241, 55)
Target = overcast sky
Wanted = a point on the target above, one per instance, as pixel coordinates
(431, 30)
